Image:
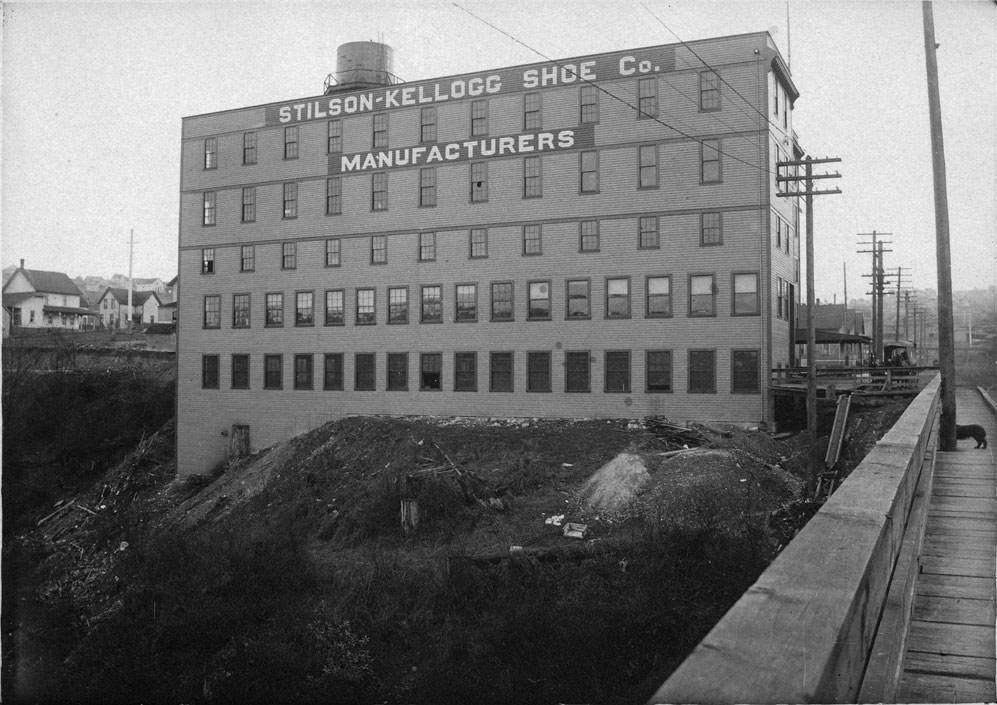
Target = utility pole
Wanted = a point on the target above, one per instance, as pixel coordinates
(946, 333)
(907, 335)
(808, 193)
(900, 276)
(131, 252)
(877, 287)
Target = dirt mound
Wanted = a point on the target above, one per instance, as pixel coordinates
(615, 485)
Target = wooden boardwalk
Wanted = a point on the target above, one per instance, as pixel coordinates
(950, 655)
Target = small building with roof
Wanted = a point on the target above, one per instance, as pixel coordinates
(115, 311)
(34, 298)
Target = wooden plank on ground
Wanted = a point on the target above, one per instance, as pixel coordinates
(921, 688)
(955, 586)
(951, 639)
(965, 666)
(955, 610)
(948, 565)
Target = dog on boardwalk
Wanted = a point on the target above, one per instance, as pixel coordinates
(977, 433)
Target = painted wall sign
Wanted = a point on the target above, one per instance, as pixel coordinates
(482, 148)
(546, 75)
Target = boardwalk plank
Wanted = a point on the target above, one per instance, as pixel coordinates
(951, 639)
(965, 666)
(955, 586)
(949, 565)
(932, 688)
(955, 610)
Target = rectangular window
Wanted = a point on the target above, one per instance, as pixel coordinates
(240, 372)
(397, 372)
(427, 125)
(333, 195)
(479, 118)
(589, 172)
(539, 301)
(398, 304)
(588, 99)
(780, 297)
(647, 169)
(431, 372)
(709, 91)
(647, 233)
(659, 297)
(335, 308)
(290, 200)
(532, 240)
(465, 372)
(427, 186)
(579, 304)
(538, 371)
(479, 242)
(333, 371)
(334, 136)
(378, 249)
(209, 372)
(304, 377)
(291, 142)
(467, 302)
(273, 371)
(208, 260)
(213, 311)
(711, 229)
(247, 258)
(249, 204)
(275, 310)
(617, 371)
(647, 98)
(744, 372)
(427, 247)
(500, 372)
(532, 116)
(211, 153)
(577, 372)
(379, 191)
(240, 310)
(248, 147)
(289, 255)
(745, 287)
(208, 216)
(379, 136)
(702, 372)
(618, 298)
(710, 157)
(479, 182)
(659, 370)
(304, 308)
(364, 375)
(432, 304)
(365, 308)
(701, 295)
(588, 236)
(502, 301)
(532, 178)
(333, 252)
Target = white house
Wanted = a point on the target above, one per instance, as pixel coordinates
(33, 298)
(114, 311)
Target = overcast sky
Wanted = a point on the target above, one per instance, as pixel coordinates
(94, 93)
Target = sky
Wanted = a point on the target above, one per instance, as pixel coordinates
(93, 96)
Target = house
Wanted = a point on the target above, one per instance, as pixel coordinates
(839, 334)
(114, 310)
(33, 298)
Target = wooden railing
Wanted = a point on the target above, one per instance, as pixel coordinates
(856, 378)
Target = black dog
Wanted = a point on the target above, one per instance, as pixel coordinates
(977, 433)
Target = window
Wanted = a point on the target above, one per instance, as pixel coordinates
(431, 372)
(479, 242)
(579, 299)
(333, 371)
(427, 186)
(745, 287)
(532, 240)
(780, 297)
(275, 310)
(335, 308)
(744, 372)
(365, 308)
(289, 255)
(589, 176)
(240, 310)
(532, 116)
(702, 376)
(709, 91)
(617, 371)
(432, 304)
(588, 236)
(209, 372)
(427, 125)
(479, 182)
(334, 138)
(502, 301)
(273, 371)
(710, 157)
(467, 302)
(647, 98)
(647, 169)
(248, 147)
(500, 372)
(618, 298)
(538, 371)
(775, 94)
(647, 232)
(576, 372)
(539, 301)
(247, 258)
(659, 370)
(379, 191)
(398, 305)
(479, 118)
(291, 142)
(465, 372)
(659, 297)
(240, 372)
(532, 178)
(211, 153)
(208, 260)
(248, 204)
(290, 200)
(701, 295)
(333, 195)
(397, 372)
(364, 375)
(711, 229)
(427, 247)
(303, 371)
(588, 99)
(333, 252)
(304, 308)
(378, 249)
(379, 137)
(208, 217)
(213, 311)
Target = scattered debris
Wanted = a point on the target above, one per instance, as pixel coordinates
(575, 531)
(555, 520)
(673, 433)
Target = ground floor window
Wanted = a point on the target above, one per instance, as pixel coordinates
(273, 371)
(702, 372)
(397, 372)
(500, 379)
(465, 372)
(364, 375)
(617, 371)
(431, 372)
(538, 372)
(744, 371)
(576, 372)
(209, 372)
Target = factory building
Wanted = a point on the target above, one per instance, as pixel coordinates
(593, 237)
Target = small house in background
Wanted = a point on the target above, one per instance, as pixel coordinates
(115, 312)
(839, 332)
(33, 298)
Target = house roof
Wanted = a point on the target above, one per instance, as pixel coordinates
(830, 336)
(138, 297)
(69, 309)
(15, 299)
(50, 282)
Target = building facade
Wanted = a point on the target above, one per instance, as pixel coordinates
(33, 298)
(593, 237)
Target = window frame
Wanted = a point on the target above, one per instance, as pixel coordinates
(246, 308)
(479, 192)
(472, 243)
(427, 247)
(466, 317)
(648, 368)
(532, 177)
(364, 377)
(379, 131)
(304, 374)
(643, 149)
(492, 300)
(713, 240)
(289, 210)
(608, 313)
(393, 306)
(248, 213)
(465, 380)
(568, 299)
(273, 377)
(546, 386)
(703, 161)
(427, 127)
(571, 385)
(327, 309)
(334, 195)
(709, 91)
(210, 153)
(396, 375)
(288, 256)
(530, 316)
(211, 371)
(592, 91)
(291, 136)
(712, 389)
(329, 372)
(247, 258)
(609, 373)
(734, 304)
(378, 249)
(304, 316)
(424, 357)
(532, 115)
(647, 98)
(212, 312)
(427, 187)
(422, 303)
(528, 239)
(493, 372)
(333, 252)
(249, 143)
(268, 319)
(334, 136)
(240, 378)
(583, 172)
(207, 260)
(713, 295)
(643, 234)
(379, 191)
(209, 212)
(582, 235)
(479, 119)
(735, 388)
(361, 311)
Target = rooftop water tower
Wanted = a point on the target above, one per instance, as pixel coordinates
(361, 65)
